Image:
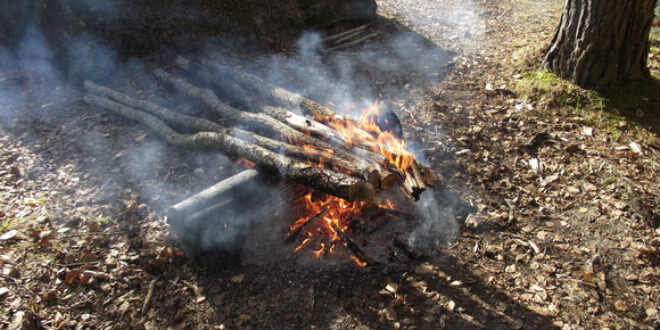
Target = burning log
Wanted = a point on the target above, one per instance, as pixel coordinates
(354, 248)
(326, 180)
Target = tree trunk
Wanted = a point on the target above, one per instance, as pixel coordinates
(600, 42)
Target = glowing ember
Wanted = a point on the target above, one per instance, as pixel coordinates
(327, 212)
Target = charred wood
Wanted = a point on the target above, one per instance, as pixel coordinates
(291, 237)
(354, 248)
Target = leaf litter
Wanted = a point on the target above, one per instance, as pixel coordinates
(567, 221)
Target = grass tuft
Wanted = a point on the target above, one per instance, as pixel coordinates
(630, 105)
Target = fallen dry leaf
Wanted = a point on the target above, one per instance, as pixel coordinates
(238, 278)
(8, 235)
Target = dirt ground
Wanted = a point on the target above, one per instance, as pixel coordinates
(560, 229)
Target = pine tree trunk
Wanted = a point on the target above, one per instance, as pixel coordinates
(601, 42)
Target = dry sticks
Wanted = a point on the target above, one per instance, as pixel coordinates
(416, 178)
(304, 149)
(323, 179)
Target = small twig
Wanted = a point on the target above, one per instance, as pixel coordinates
(346, 37)
(298, 230)
(150, 293)
(101, 275)
(354, 42)
(354, 248)
(80, 263)
(347, 32)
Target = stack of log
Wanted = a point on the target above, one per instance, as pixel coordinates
(271, 134)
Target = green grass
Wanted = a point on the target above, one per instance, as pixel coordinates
(549, 89)
(5, 225)
(634, 103)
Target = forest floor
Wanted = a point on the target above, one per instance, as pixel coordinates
(564, 231)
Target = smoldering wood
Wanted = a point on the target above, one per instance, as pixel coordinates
(375, 174)
(334, 183)
(415, 182)
(354, 248)
(280, 121)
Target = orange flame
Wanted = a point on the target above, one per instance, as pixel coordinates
(244, 162)
(365, 133)
(326, 211)
(359, 262)
(319, 214)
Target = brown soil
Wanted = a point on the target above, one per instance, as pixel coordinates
(572, 243)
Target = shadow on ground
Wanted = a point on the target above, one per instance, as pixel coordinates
(638, 101)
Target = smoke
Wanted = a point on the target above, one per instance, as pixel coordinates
(437, 211)
(347, 80)
(105, 8)
(89, 59)
(458, 21)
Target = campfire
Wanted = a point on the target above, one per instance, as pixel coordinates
(350, 167)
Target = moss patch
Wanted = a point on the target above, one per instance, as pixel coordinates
(547, 88)
(617, 109)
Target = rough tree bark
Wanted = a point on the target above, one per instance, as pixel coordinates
(601, 42)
